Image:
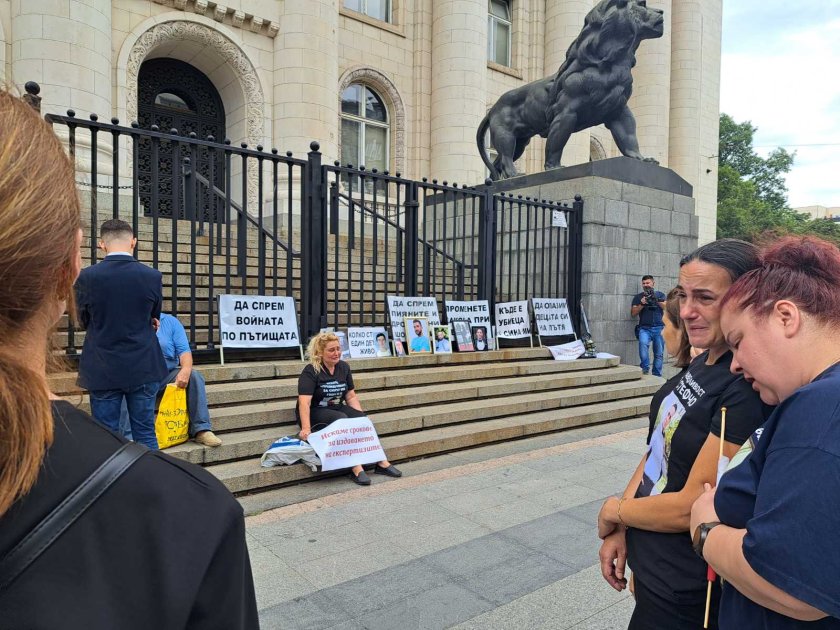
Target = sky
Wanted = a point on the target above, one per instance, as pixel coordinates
(781, 70)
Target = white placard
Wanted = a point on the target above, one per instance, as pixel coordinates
(401, 307)
(477, 312)
(258, 321)
(567, 351)
(346, 443)
(558, 219)
(552, 317)
(513, 321)
(366, 343)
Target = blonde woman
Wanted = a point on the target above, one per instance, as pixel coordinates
(326, 393)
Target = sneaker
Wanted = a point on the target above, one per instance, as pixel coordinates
(207, 438)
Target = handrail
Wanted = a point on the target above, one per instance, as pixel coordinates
(400, 228)
(218, 192)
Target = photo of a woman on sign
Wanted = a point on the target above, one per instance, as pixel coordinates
(417, 333)
(480, 337)
(382, 349)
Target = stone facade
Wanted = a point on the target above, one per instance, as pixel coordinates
(279, 67)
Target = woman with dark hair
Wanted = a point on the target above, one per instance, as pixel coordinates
(130, 559)
(649, 525)
(770, 528)
(326, 393)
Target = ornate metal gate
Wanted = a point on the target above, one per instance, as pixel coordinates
(174, 95)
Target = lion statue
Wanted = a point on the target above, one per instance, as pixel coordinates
(591, 87)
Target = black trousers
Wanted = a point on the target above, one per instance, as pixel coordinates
(322, 417)
(654, 612)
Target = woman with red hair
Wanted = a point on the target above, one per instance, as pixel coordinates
(771, 528)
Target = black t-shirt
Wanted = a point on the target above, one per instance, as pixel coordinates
(688, 410)
(164, 547)
(327, 390)
(782, 487)
(651, 314)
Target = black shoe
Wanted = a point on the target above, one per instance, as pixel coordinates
(362, 479)
(390, 471)
(645, 371)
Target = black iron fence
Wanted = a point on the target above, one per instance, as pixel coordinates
(216, 218)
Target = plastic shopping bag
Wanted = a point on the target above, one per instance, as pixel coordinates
(288, 450)
(172, 425)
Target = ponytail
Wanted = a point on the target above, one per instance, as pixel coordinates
(26, 428)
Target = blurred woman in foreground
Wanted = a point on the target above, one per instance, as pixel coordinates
(771, 529)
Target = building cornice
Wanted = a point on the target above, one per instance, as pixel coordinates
(225, 15)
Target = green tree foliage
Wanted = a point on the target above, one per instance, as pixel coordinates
(752, 195)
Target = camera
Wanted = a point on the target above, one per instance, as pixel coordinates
(650, 298)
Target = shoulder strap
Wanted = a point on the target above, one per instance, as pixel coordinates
(67, 512)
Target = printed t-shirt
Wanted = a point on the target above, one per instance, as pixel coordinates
(327, 390)
(686, 415)
(650, 315)
(782, 487)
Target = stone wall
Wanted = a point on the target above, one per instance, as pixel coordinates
(638, 219)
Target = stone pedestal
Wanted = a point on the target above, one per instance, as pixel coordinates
(638, 219)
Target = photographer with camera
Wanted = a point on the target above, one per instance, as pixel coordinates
(648, 306)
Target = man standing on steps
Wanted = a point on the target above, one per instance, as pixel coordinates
(119, 302)
(648, 306)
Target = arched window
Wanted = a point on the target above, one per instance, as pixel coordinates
(365, 133)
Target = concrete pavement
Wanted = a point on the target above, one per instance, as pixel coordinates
(497, 537)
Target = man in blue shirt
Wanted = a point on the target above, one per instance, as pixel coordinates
(176, 352)
(419, 342)
(648, 307)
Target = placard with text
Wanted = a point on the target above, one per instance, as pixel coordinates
(401, 307)
(258, 321)
(513, 320)
(552, 317)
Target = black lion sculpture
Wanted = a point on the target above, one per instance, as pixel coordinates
(591, 87)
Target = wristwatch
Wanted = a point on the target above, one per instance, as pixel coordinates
(700, 535)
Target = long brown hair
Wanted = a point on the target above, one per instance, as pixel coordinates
(672, 312)
(39, 224)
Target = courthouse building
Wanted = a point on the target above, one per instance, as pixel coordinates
(392, 84)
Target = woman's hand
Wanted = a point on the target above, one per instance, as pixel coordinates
(304, 434)
(703, 510)
(613, 556)
(608, 518)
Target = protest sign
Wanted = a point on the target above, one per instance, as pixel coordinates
(552, 317)
(401, 307)
(347, 442)
(477, 312)
(513, 321)
(567, 351)
(368, 343)
(258, 321)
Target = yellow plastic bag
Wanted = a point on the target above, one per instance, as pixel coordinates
(172, 425)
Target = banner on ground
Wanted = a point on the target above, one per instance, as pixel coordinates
(567, 351)
(368, 343)
(477, 312)
(258, 321)
(513, 321)
(346, 443)
(552, 317)
(401, 307)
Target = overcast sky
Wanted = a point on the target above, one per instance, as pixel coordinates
(781, 70)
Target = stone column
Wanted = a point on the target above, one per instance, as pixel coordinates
(306, 78)
(66, 47)
(651, 100)
(695, 86)
(563, 23)
(459, 88)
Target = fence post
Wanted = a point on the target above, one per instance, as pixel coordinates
(412, 238)
(574, 279)
(487, 244)
(313, 272)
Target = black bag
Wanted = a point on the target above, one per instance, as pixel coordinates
(636, 331)
(67, 512)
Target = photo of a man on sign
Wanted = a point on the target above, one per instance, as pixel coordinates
(417, 331)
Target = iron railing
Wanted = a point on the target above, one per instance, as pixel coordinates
(338, 239)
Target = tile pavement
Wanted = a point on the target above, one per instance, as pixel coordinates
(498, 537)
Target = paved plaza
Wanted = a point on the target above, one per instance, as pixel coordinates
(498, 537)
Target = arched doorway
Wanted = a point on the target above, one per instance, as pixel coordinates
(173, 94)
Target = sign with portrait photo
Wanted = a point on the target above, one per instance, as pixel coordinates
(476, 312)
(463, 335)
(417, 329)
(400, 308)
(442, 338)
(368, 342)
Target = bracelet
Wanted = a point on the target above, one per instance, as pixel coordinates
(621, 520)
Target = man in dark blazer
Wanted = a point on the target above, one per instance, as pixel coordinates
(119, 302)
